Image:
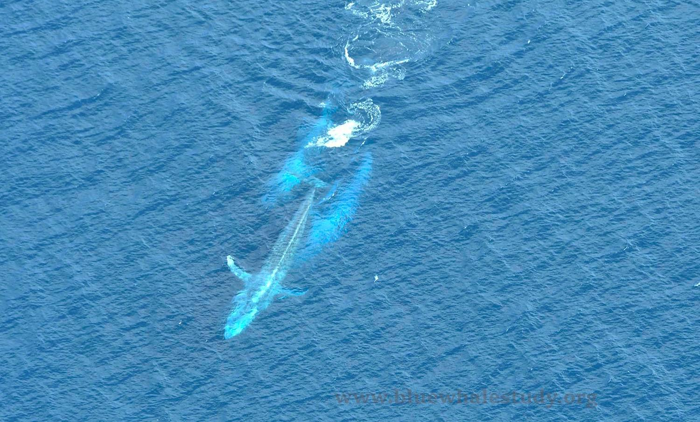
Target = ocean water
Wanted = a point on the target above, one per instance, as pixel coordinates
(530, 225)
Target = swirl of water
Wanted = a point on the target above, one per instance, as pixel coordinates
(392, 33)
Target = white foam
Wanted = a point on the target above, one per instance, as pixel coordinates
(395, 33)
(378, 73)
(382, 76)
(350, 60)
(337, 136)
(384, 11)
(372, 67)
(376, 11)
(372, 115)
(428, 5)
(366, 117)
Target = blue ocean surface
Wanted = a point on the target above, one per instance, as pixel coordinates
(525, 246)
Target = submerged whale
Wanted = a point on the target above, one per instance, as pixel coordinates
(262, 288)
(328, 220)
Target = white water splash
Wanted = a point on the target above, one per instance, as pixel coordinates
(337, 136)
(366, 116)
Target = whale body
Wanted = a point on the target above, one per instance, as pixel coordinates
(261, 289)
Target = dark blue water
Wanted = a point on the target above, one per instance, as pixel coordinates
(532, 215)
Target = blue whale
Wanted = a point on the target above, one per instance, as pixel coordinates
(330, 217)
(261, 289)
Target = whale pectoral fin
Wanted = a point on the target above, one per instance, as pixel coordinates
(285, 293)
(236, 270)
